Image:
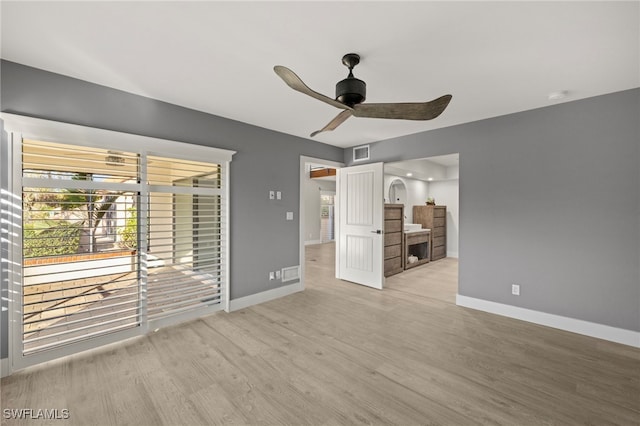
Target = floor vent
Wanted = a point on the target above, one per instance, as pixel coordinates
(291, 273)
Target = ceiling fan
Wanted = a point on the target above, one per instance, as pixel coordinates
(351, 92)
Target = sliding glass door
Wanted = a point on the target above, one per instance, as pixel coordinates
(112, 243)
(80, 266)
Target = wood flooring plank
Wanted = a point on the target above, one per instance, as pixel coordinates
(267, 398)
(338, 366)
(213, 405)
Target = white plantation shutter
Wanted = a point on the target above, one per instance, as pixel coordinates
(185, 244)
(78, 281)
(116, 241)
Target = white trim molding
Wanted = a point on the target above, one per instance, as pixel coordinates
(54, 131)
(265, 296)
(600, 331)
(4, 367)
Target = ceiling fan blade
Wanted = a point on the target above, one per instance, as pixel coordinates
(404, 111)
(296, 83)
(338, 120)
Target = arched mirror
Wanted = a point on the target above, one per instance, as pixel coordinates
(397, 192)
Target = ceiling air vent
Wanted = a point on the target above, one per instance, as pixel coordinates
(361, 153)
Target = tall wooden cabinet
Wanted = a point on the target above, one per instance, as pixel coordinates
(393, 244)
(434, 218)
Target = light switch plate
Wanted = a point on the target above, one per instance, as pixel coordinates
(289, 215)
(515, 289)
(272, 195)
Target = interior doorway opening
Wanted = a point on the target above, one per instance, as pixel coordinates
(434, 178)
(430, 181)
(317, 204)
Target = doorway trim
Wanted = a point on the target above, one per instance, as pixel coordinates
(303, 161)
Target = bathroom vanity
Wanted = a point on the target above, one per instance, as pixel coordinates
(417, 247)
(407, 245)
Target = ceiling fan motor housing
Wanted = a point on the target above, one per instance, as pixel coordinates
(351, 91)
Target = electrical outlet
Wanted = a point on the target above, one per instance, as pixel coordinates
(515, 289)
(278, 275)
(271, 276)
(278, 195)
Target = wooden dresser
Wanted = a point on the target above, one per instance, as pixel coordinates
(434, 218)
(393, 241)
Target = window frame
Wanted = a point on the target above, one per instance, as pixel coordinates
(17, 128)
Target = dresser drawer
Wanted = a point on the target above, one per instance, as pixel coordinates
(438, 221)
(392, 213)
(438, 252)
(393, 265)
(439, 211)
(393, 251)
(438, 232)
(392, 225)
(438, 241)
(393, 238)
(415, 238)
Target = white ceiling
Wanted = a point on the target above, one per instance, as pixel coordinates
(495, 58)
(426, 169)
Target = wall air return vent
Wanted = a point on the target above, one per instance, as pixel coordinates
(291, 273)
(361, 153)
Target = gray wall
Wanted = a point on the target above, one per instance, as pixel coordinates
(261, 239)
(550, 200)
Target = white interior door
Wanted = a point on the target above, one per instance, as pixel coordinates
(360, 211)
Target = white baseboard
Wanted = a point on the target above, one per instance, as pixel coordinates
(4, 367)
(453, 254)
(600, 331)
(312, 242)
(265, 296)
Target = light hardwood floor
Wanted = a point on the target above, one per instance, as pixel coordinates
(343, 354)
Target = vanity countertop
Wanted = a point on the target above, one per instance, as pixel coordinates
(417, 230)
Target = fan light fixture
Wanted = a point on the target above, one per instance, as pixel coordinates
(351, 93)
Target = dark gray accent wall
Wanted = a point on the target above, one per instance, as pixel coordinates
(261, 239)
(550, 200)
